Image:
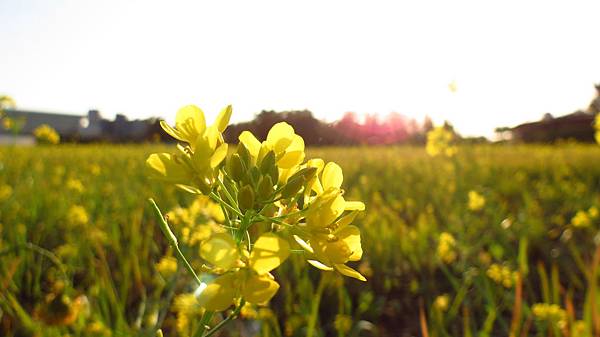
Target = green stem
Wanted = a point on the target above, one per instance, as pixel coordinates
(228, 206)
(222, 323)
(164, 226)
(314, 314)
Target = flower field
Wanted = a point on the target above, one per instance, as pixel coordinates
(492, 241)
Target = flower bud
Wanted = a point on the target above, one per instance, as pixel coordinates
(265, 187)
(306, 174)
(246, 198)
(236, 167)
(292, 187)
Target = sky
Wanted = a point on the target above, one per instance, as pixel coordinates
(510, 61)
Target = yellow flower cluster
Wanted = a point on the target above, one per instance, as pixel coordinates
(45, 134)
(440, 141)
(584, 218)
(446, 248)
(502, 275)
(476, 201)
(552, 313)
(270, 200)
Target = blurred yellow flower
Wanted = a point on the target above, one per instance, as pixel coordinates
(7, 123)
(581, 219)
(442, 302)
(167, 266)
(45, 134)
(502, 275)
(440, 141)
(446, 248)
(77, 216)
(476, 201)
(75, 185)
(5, 192)
(551, 313)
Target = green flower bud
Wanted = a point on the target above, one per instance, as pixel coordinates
(236, 167)
(246, 198)
(292, 187)
(268, 162)
(265, 187)
(306, 174)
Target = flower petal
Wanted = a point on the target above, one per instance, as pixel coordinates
(268, 252)
(190, 122)
(220, 250)
(351, 236)
(219, 294)
(354, 206)
(280, 137)
(319, 265)
(304, 244)
(332, 176)
(219, 155)
(223, 118)
(250, 142)
(259, 288)
(347, 271)
(165, 166)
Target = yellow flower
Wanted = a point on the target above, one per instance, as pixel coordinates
(5, 192)
(328, 237)
(7, 123)
(581, 219)
(45, 134)
(77, 216)
(193, 168)
(476, 201)
(502, 275)
(440, 142)
(167, 266)
(442, 302)
(446, 247)
(283, 141)
(549, 312)
(75, 185)
(244, 275)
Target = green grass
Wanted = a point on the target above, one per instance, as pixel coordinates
(52, 260)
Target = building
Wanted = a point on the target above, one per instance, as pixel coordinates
(79, 128)
(576, 126)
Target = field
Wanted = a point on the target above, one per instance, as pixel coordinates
(495, 241)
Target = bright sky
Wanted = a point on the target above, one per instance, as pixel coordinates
(512, 61)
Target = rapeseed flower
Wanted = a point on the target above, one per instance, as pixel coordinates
(5, 192)
(77, 216)
(442, 302)
(243, 274)
(287, 146)
(502, 275)
(203, 149)
(476, 201)
(328, 237)
(446, 249)
(440, 141)
(551, 313)
(45, 134)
